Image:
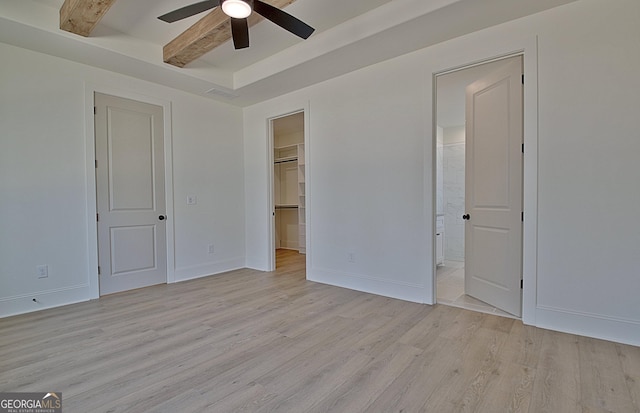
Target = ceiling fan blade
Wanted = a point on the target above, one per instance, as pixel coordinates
(283, 19)
(240, 33)
(188, 11)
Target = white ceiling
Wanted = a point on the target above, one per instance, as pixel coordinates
(350, 34)
(138, 19)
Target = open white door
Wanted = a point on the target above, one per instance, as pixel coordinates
(493, 190)
(130, 194)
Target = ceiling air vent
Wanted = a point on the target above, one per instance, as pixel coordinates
(224, 92)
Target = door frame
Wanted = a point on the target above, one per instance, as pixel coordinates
(91, 207)
(529, 55)
(271, 232)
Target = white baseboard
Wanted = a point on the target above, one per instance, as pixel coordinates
(402, 291)
(199, 271)
(590, 325)
(28, 303)
(43, 300)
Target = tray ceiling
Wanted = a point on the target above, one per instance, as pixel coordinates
(350, 34)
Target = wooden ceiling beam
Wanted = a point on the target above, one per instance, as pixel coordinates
(82, 16)
(207, 34)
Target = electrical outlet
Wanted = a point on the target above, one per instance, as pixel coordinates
(42, 271)
(192, 199)
(211, 249)
(351, 257)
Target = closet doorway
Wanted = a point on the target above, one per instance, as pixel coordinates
(479, 187)
(288, 188)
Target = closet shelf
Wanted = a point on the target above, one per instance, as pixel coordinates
(286, 159)
(288, 194)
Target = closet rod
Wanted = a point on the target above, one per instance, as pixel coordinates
(285, 160)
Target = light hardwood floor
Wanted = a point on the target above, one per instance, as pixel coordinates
(247, 341)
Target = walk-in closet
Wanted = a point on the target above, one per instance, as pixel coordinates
(289, 183)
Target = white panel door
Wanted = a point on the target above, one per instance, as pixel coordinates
(493, 194)
(130, 194)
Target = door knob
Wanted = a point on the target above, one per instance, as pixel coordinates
(162, 217)
(466, 217)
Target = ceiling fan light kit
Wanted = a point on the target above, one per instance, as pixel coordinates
(237, 9)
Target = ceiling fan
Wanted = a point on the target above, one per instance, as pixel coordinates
(238, 11)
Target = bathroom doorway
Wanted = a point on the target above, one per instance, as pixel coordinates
(456, 282)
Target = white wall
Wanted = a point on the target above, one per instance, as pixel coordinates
(370, 168)
(46, 180)
(366, 181)
(589, 239)
(208, 163)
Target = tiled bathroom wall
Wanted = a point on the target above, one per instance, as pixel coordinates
(439, 170)
(453, 174)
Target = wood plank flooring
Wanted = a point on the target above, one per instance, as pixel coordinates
(248, 341)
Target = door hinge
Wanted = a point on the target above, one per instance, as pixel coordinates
(521, 284)
(97, 217)
(523, 79)
(95, 110)
(522, 216)
(523, 148)
(98, 270)
(96, 164)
